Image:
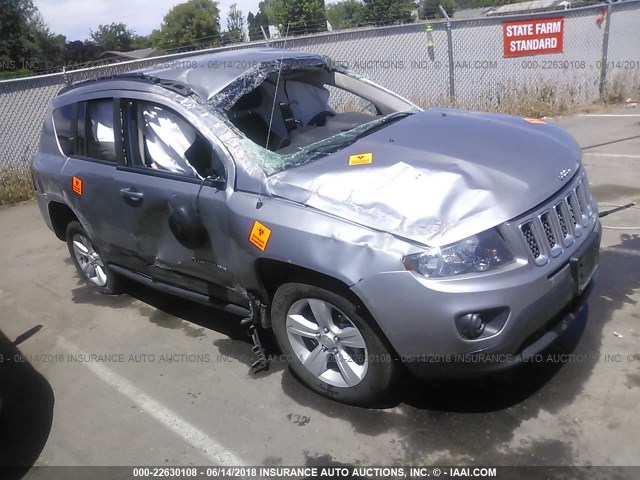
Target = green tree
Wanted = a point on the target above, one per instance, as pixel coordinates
(155, 38)
(50, 48)
(345, 14)
(26, 43)
(15, 29)
(298, 17)
(141, 41)
(113, 37)
(77, 52)
(260, 19)
(387, 12)
(195, 23)
(235, 24)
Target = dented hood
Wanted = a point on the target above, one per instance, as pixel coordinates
(437, 176)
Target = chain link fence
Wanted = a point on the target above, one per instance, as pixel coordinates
(458, 63)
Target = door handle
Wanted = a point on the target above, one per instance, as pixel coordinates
(131, 193)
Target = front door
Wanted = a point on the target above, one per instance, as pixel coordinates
(177, 223)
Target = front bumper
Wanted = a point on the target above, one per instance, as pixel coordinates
(540, 303)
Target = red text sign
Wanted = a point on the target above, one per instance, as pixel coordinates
(533, 37)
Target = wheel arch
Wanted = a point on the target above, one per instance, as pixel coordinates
(61, 215)
(273, 273)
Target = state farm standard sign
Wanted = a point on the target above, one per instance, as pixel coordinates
(533, 37)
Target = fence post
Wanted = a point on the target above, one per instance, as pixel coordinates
(605, 50)
(264, 34)
(452, 90)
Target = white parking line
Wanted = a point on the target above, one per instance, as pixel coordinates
(209, 447)
(618, 155)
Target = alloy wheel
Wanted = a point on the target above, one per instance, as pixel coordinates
(89, 260)
(327, 342)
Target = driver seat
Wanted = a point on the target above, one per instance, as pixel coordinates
(244, 116)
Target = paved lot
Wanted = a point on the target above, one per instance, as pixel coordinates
(175, 388)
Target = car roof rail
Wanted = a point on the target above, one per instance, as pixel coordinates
(172, 85)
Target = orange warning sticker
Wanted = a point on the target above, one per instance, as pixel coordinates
(76, 185)
(259, 235)
(535, 120)
(361, 159)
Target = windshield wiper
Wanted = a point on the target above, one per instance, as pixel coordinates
(344, 140)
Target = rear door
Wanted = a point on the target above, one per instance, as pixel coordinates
(87, 134)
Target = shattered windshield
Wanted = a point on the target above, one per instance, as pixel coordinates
(286, 117)
(274, 162)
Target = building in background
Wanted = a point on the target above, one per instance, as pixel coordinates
(534, 6)
(111, 56)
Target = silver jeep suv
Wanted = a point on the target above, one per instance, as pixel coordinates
(368, 234)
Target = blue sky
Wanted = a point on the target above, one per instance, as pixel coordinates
(76, 18)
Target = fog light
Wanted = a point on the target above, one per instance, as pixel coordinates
(471, 325)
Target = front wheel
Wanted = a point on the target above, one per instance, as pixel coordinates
(89, 263)
(330, 345)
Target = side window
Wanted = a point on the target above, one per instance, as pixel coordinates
(343, 101)
(162, 140)
(100, 136)
(64, 125)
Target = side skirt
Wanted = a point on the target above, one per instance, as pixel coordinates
(181, 292)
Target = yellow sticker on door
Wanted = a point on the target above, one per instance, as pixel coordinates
(259, 235)
(361, 159)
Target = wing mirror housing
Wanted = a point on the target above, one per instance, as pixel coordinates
(216, 181)
(216, 176)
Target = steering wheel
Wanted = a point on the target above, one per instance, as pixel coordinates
(320, 118)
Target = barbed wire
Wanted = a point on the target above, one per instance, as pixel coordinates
(226, 38)
(314, 26)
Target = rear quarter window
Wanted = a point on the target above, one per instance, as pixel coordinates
(63, 123)
(100, 135)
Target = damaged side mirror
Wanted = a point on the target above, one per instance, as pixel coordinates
(216, 181)
(216, 174)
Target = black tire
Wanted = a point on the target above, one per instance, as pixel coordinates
(379, 376)
(113, 284)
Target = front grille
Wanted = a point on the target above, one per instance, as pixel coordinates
(563, 224)
(531, 240)
(548, 230)
(571, 200)
(555, 228)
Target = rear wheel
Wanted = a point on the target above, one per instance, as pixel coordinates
(89, 263)
(330, 345)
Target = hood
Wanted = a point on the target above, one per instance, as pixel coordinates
(437, 176)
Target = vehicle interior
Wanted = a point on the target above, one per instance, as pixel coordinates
(294, 109)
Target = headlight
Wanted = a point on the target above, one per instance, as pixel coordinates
(479, 253)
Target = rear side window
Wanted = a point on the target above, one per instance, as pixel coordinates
(63, 121)
(100, 136)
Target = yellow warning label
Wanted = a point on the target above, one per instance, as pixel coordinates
(259, 235)
(535, 120)
(361, 159)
